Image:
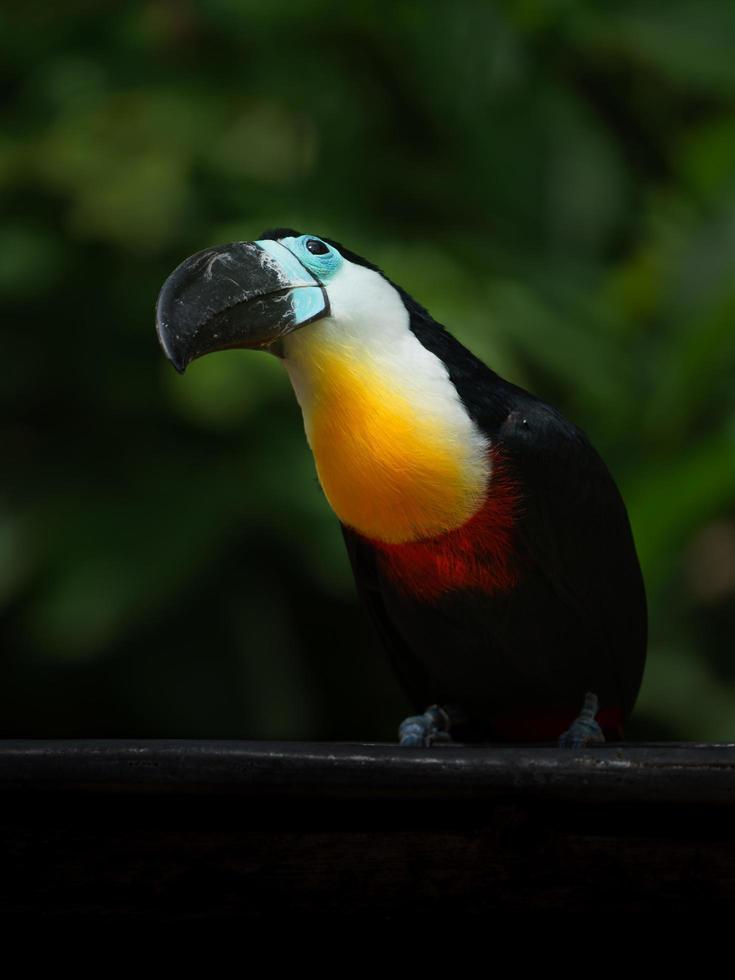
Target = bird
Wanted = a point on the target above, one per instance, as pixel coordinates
(488, 540)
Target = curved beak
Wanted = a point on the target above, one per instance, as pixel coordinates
(246, 294)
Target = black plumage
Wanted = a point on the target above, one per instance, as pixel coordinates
(518, 663)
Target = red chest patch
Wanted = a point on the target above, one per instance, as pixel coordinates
(478, 555)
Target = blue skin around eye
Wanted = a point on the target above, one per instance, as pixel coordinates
(323, 266)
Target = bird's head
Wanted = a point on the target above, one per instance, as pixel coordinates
(254, 294)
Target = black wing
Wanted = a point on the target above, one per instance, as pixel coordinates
(574, 532)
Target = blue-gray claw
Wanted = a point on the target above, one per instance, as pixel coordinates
(585, 730)
(423, 730)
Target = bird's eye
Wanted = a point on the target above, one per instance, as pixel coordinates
(320, 259)
(316, 247)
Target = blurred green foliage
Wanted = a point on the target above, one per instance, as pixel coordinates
(554, 179)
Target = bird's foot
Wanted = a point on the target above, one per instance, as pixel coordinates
(585, 730)
(423, 730)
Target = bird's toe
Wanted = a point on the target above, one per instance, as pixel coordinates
(423, 730)
(584, 730)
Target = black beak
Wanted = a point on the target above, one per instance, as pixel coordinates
(237, 295)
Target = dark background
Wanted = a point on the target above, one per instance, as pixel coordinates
(554, 180)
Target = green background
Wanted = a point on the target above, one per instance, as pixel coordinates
(554, 180)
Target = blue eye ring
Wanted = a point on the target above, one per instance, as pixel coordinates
(317, 255)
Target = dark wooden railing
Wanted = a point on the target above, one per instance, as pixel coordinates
(221, 829)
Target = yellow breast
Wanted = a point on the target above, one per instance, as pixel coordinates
(389, 468)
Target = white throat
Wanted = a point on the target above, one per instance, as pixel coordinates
(397, 454)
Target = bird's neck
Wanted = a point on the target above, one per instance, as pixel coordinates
(397, 454)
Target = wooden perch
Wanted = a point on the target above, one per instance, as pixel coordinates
(182, 828)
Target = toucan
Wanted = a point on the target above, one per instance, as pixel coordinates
(488, 540)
